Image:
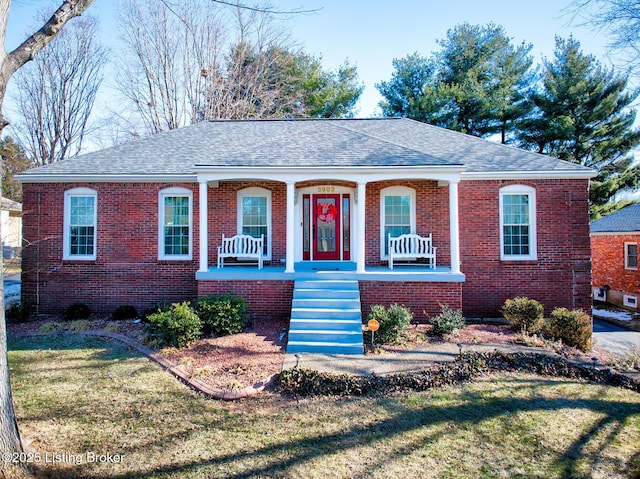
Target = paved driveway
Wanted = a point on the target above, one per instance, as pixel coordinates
(613, 338)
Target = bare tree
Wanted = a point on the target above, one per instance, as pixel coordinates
(166, 53)
(619, 19)
(57, 91)
(194, 60)
(10, 443)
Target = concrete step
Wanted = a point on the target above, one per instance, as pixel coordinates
(324, 348)
(309, 293)
(322, 324)
(327, 284)
(326, 317)
(326, 313)
(326, 303)
(322, 336)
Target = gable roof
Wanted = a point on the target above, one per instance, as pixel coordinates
(625, 220)
(307, 143)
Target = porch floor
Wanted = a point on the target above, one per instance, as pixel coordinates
(332, 270)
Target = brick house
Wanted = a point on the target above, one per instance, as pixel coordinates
(140, 223)
(614, 256)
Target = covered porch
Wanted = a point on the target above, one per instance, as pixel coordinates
(360, 239)
(331, 270)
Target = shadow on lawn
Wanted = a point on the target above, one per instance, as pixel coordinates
(277, 460)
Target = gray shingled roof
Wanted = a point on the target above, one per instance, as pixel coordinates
(308, 143)
(622, 221)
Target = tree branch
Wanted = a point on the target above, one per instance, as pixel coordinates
(36, 42)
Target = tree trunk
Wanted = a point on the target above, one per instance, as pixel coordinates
(10, 444)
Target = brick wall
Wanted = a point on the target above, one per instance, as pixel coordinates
(608, 266)
(126, 269)
(423, 299)
(432, 216)
(560, 277)
(266, 299)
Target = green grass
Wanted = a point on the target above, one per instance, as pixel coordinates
(75, 394)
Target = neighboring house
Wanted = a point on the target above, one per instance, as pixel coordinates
(614, 257)
(140, 223)
(11, 224)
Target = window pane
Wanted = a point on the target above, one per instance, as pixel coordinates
(254, 218)
(632, 256)
(81, 225)
(515, 210)
(81, 240)
(176, 225)
(397, 217)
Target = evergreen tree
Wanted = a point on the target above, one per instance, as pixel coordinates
(15, 162)
(405, 93)
(478, 83)
(582, 115)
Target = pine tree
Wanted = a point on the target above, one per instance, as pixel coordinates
(478, 83)
(582, 115)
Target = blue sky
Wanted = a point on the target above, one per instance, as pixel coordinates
(371, 33)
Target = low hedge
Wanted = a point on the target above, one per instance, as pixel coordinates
(305, 382)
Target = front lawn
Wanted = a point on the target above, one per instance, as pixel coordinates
(83, 397)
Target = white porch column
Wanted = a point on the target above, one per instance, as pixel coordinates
(360, 238)
(291, 191)
(203, 201)
(454, 232)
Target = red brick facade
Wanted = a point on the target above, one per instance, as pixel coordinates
(423, 299)
(127, 269)
(560, 277)
(608, 259)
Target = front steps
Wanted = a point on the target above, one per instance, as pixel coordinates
(326, 317)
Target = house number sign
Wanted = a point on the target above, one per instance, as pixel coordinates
(326, 189)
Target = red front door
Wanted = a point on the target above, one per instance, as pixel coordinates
(326, 227)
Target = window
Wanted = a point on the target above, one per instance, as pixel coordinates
(397, 214)
(518, 223)
(80, 224)
(254, 215)
(630, 301)
(631, 256)
(175, 224)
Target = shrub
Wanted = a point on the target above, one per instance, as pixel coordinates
(79, 325)
(305, 382)
(19, 312)
(51, 327)
(393, 320)
(573, 328)
(178, 326)
(222, 314)
(125, 311)
(447, 321)
(525, 315)
(156, 309)
(77, 311)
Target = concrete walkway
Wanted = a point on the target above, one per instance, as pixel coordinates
(615, 339)
(393, 362)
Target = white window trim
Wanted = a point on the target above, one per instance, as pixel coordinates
(533, 230)
(395, 191)
(626, 256)
(161, 196)
(252, 192)
(66, 236)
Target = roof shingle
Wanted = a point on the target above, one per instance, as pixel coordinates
(305, 143)
(622, 221)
